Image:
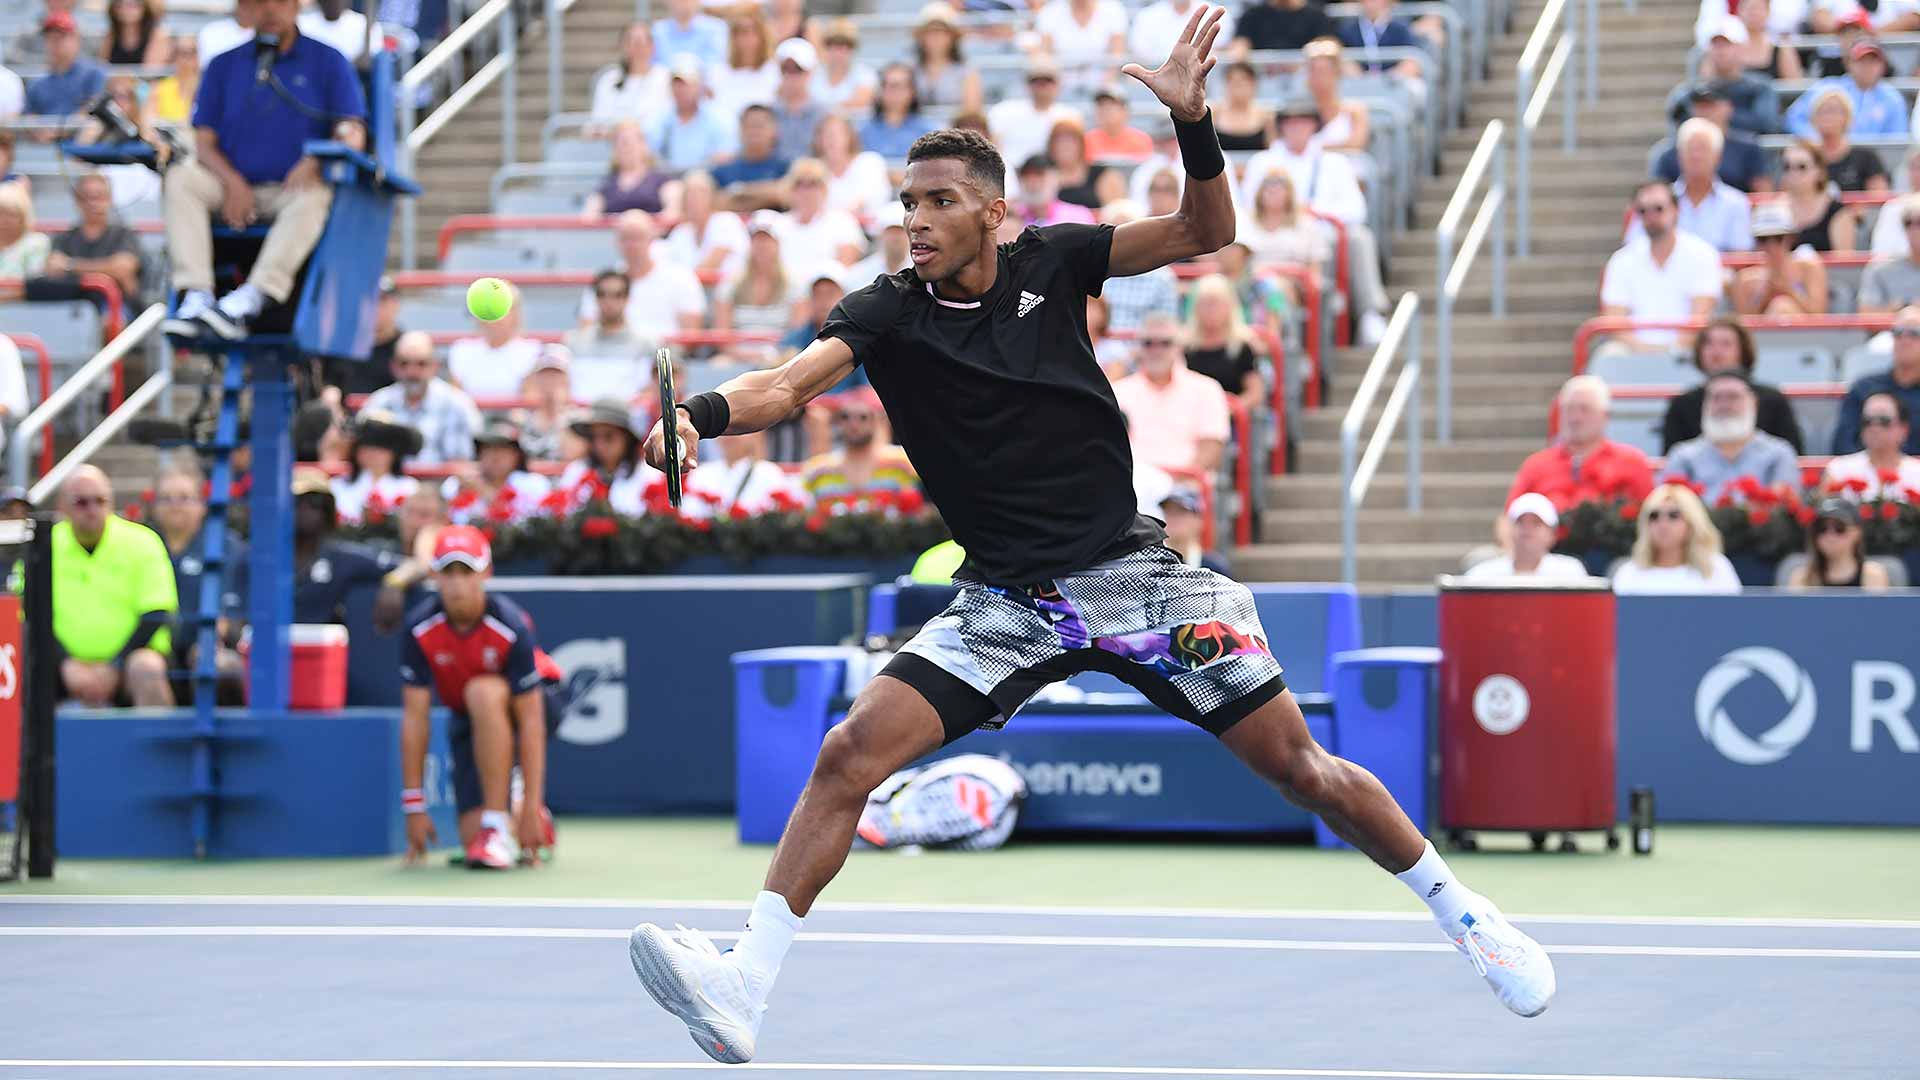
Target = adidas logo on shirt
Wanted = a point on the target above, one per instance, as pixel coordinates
(1028, 301)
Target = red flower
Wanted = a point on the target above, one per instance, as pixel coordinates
(1697, 489)
(1725, 500)
(816, 523)
(1630, 512)
(488, 532)
(738, 512)
(555, 502)
(131, 511)
(1763, 496)
(373, 515)
(464, 500)
(1805, 515)
(708, 497)
(911, 501)
(783, 502)
(1747, 485)
(1889, 511)
(501, 512)
(375, 503)
(1810, 476)
(598, 528)
(1912, 494)
(1855, 485)
(1757, 518)
(699, 524)
(1889, 477)
(146, 494)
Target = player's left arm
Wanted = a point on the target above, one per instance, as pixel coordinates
(1204, 223)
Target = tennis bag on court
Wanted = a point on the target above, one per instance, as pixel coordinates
(964, 803)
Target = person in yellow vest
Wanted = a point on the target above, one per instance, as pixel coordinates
(113, 599)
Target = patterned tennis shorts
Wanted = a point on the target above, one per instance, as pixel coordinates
(1188, 639)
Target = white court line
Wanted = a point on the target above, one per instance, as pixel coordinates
(704, 1066)
(237, 900)
(1027, 941)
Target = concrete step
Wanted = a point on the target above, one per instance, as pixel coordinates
(1594, 238)
(1466, 454)
(1457, 490)
(1459, 527)
(1382, 564)
(1471, 421)
(1574, 271)
(1506, 389)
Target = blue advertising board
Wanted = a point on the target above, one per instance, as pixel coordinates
(1772, 708)
(647, 725)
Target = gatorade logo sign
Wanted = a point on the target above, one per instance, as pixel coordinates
(595, 690)
(9, 698)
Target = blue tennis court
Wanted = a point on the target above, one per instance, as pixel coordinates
(115, 987)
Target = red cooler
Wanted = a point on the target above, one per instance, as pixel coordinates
(1526, 706)
(317, 668)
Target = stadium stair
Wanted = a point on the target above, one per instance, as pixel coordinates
(1505, 371)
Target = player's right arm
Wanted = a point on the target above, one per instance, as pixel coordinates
(416, 704)
(760, 399)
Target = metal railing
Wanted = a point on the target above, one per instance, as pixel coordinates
(414, 134)
(103, 365)
(1489, 160)
(1531, 97)
(109, 429)
(1357, 468)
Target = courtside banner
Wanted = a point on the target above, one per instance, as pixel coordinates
(1772, 708)
(11, 668)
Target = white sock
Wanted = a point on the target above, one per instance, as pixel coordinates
(496, 819)
(769, 934)
(244, 302)
(1434, 883)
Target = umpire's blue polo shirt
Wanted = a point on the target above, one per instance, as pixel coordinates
(260, 132)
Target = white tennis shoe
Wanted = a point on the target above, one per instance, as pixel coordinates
(689, 977)
(1513, 964)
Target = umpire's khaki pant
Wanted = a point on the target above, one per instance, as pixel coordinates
(193, 196)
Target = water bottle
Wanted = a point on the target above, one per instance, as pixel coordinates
(1640, 816)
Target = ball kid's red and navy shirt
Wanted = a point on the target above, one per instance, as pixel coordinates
(502, 643)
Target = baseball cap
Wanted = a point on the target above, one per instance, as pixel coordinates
(59, 22)
(1184, 498)
(554, 357)
(1043, 67)
(1838, 510)
(1036, 163)
(1536, 504)
(1731, 28)
(1866, 47)
(462, 545)
(685, 66)
(766, 221)
(1772, 219)
(888, 216)
(1110, 92)
(828, 272)
(798, 51)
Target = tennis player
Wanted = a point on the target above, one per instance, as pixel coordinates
(478, 652)
(980, 355)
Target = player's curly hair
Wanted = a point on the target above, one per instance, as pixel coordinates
(983, 161)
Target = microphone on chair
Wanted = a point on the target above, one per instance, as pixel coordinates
(266, 49)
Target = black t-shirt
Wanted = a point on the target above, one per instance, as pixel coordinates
(1001, 407)
(1855, 167)
(1268, 27)
(1229, 369)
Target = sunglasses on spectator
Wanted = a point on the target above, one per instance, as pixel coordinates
(1879, 421)
(1830, 526)
(1156, 343)
(81, 502)
(1671, 513)
(1906, 331)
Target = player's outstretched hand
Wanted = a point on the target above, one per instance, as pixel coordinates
(420, 836)
(530, 832)
(656, 448)
(1181, 82)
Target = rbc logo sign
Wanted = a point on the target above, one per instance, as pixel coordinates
(1881, 695)
(596, 690)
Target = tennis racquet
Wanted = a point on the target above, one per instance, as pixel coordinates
(669, 425)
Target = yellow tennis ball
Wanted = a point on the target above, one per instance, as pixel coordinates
(489, 299)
